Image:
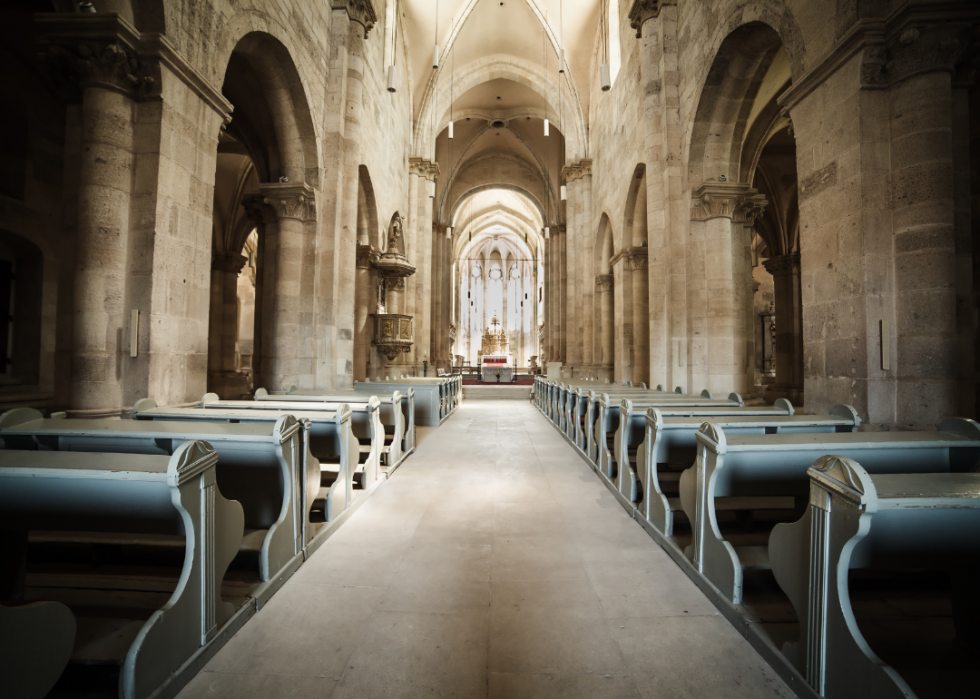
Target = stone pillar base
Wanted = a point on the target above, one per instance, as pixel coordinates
(794, 394)
(229, 385)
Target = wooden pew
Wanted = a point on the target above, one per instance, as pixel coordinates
(390, 412)
(428, 398)
(577, 405)
(856, 519)
(776, 465)
(604, 409)
(669, 444)
(408, 411)
(135, 493)
(365, 423)
(450, 390)
(260, 465)
(329, 454)
(36, 640)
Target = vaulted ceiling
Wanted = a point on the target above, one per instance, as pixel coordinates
(497, 81)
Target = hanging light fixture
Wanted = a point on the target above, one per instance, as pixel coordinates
(450, 128)
(604, 79)
(547, 232)
(564, 193)
(545, 127)
(449, 232)
(392, 73)
(432, 188)
(561, 29)
(435, 44)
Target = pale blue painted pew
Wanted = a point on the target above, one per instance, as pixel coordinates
(776, 465)
(135, 493)
(260, 465)
(856, 519)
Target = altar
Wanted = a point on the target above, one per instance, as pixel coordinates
(496, 361)
(497, 369)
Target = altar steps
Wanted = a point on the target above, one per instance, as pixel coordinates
(491, 392)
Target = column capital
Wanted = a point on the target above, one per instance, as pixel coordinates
(603, 282)
(224, 261)
(423, 167)
(288, 200)
(365, 255)
(637, 258)
(575, 171)
(735, 200)
(782, 265)
(360, 11)
(642, 10)
(104, 49)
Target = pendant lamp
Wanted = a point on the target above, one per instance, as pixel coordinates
(450, 129)
(392, 78)
(449, 232)
(561, 60)
(547, 232)
(604, 77)
(545, 127)
(432, 188)
(564, 193)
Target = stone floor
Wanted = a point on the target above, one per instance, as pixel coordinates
(494, 563)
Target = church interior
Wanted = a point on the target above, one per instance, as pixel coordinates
(490, 348)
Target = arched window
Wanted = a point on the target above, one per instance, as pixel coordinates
(612, 33)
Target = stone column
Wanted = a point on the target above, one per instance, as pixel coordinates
(655, 22)
(724, 284)
(254, 206)
(637, 261)
(578, 295)
(622, 292)
(365, 303)
(103, 224)
(287, 347)
(223, 377)
(923, 205)
(787, 293)
(562, 301)
(419, 237)
(335, 268)
(605, 319)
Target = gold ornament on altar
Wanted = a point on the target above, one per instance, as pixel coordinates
(495, 339)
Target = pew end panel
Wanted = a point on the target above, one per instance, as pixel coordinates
(858, 520)
(19, 416)
(35, 646)
(135, 493)
(768, 468)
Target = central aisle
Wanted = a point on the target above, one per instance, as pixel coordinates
(494, 563)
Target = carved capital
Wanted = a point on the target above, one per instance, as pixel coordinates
(642, 10)
(104, 49)
(365, 253)
(733, 200)
(360, 11)
(576, 171)
(224, 261)
(782, 265)
(423, 168)
(107, 64)
(919, 47)
(637, 258)
(254, 205)
(603, 282)
(289, 200)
